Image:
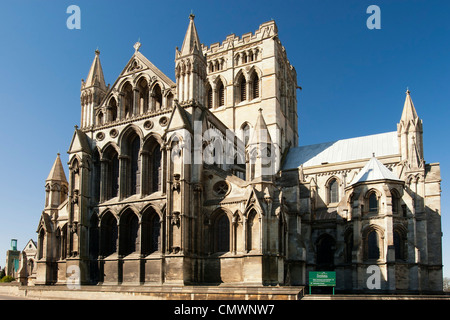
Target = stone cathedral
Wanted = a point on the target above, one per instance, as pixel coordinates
(202, 181)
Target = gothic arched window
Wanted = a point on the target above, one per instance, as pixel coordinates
(109, 235)
(348, 246)
(143, 96)
(209, 97)
(373, 202)
(41, 246)
(156, 169)
(395, 202)
(255, 85)
(333, 191)
(220, 94)
(93, 237)
(134, 164)
(170, 100)
(95, 180)
(253, 231)
(112, 110)
(100, 118)
(151, 232)
(64, 242)
(373, 245)
(157, 97)
(152, 167)
(128, 101)
(242, 89)
(114, 175)
(130, 173)
(222, 234)
(129, 233)
(245, 134)
(399, 245)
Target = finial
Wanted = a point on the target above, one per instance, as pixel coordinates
(137, 45)
(97, 52)
(373, 154)
(407, 90)
(58, 154)
(260, 110)
(192, 15)
(76, 127)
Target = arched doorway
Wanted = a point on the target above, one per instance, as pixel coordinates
(325, 248)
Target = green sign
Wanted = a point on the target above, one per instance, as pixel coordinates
(322, 279)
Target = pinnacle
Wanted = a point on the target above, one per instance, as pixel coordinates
(57, 171)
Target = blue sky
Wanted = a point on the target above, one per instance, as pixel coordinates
(354, 79)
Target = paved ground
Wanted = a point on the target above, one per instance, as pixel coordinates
(5, 297)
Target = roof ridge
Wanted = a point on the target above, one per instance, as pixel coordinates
(334, 141)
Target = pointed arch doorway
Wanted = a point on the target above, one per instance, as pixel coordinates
(325, 248)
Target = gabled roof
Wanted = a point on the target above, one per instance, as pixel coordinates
(179, 119)
(79, 142)
(383, 144)
(32, 243)
(374, 170)
(138, 63)
(57, 171)
(153, 68)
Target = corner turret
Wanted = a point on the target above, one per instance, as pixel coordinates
(190, 68)
(410, 134)
(93, 90)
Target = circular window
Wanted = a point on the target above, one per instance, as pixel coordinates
(148, 124)
(221, 188)
(100, 136)
(113, 133)
(163, 121)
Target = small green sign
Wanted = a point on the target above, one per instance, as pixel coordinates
(322, 279)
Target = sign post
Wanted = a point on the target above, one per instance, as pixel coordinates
(322, 279)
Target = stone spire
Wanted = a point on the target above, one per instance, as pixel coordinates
(191, 43)
(56, 186)
(260, 132)
(93, 90)
(95, 76)
(57, 172)
(409, 111)
(190, 68)
(261, 152)
(410, 133)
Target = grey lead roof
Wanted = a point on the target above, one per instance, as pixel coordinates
(383, 144)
